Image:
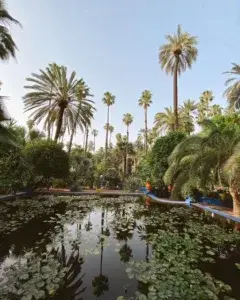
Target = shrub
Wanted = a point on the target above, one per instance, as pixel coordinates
(132, 184)
(47, 159)
(15, 172)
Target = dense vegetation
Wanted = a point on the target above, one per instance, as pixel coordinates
(170, 154)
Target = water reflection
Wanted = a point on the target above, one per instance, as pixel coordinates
(100, 282)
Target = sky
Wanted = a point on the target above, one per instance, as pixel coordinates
(113, 45)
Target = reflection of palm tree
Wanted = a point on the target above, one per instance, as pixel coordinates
(88, 226)
(70, 287)
(100, 282)
(125, 253)
(143, 232)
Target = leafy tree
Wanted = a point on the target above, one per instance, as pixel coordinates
(15, 172)
(187, 112)
(208, 159)
(145, 101)
(161, 150)
(7, 45)
(81, 168)
(53, 90)
(175, 57)
(109, 100)
(215, 110)
(47, 159)
(232, 93)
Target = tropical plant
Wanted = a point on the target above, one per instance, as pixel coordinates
(205, 160)
(204, 110)
(215, 110)
(109, 100)
(164, 122)
(84, 111)
(127, 120)
(6, 135)
(232, 93)
(187, 112)
(94, 134)
(175, 57)
(111, 130)
(7, 45)
(145, 101)
(54, 91)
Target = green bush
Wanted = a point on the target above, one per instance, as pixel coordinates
(47, 159)
(132, 184)
(59, 183)
(16, 173)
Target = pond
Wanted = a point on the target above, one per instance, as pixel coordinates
(88, 247)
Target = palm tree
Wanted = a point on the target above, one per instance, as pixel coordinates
(215, 110)
(7, 45)
(127, 120)
(175, 57)
(164, 122)
(108, 99)
(6, 134)
(111, 130)
(85, 110)
(232, 93)
(63, 97)
(145, 101)
(94, 134)
(86, 141)
(204, 105)
(210, 158)
(187, 111)
(100, 282)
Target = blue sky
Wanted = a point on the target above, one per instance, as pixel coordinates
(114, 44)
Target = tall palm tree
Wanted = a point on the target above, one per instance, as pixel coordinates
(7, 45)
(210, 158)
(145, 101)
(84, 112)
(94, 134)
(61, 89)
(127, 120)
(111, 130)
(232, 93)
(108, 99)
(204, 105)
(175, 57)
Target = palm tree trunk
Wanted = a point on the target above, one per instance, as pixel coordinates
(106, 143)
(74, 129)
(126, 154)
(94, 143)
(146, 129)
(175, 92)
(84, 137)
(86, 143)
(59, 123)
(49, 121)
(236, 200)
